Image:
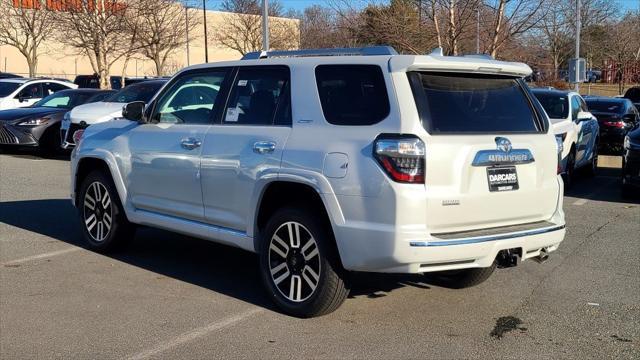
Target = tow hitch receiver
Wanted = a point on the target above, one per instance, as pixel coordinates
(508, 258)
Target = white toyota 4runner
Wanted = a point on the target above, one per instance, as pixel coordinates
(362, 161)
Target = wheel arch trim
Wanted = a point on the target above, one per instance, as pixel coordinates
(111, 162)
(300, 177)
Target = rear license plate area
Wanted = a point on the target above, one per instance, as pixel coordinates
(502, 178)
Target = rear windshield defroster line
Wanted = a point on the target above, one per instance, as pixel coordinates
(450, 103)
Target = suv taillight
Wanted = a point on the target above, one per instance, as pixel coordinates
(402, 157)
(559, 149)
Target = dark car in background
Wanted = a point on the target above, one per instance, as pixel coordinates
(633, 94)
(4, 75)
(631, 163)
(616, 116)
(93, 81)
(38, 125)
(87, 81)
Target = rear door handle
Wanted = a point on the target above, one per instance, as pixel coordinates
(264, 147)
(190, 143)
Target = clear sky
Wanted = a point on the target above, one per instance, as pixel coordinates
(301, 4)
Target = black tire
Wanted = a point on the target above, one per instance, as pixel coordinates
(49, 143)
(592, 168)
(119, 229)
(460, 279)
(331, 288)
(569, 172)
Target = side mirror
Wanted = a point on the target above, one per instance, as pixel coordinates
(22, 99)
(134, 111)
(583, 116)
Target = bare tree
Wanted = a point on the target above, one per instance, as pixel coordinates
(24, 26)
(318, 28)
(242, 29)
(513, 18)
(98, 30)
(161, 28)
(396, 24)
(459, 15)
(555, 30)
(434, 10)
(622, 46)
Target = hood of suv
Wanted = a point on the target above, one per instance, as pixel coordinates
(96, 112)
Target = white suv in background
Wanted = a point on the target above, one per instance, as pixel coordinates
(323, 165)
(575, 127)
(23, 92)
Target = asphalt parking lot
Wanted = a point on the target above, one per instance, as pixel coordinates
(170, 296)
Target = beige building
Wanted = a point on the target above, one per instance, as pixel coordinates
(58, 61)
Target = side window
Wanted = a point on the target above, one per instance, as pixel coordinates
(259, 96)
(352, 94)
(575, 107)
(191, 99)
(33, 91)
(50, 88)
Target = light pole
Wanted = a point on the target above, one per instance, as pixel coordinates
(206, 45)
(477, 30)
(578, 26)
(265, 25)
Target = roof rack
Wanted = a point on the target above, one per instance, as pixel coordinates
(367, 51)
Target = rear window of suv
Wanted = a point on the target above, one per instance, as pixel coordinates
(472, 104)
(352, 94)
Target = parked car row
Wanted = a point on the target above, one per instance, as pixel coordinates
(93, 81)
(38, 125)
(45, 113)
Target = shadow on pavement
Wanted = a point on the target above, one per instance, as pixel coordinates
(223, 269)
(33, 153)
(606, 185)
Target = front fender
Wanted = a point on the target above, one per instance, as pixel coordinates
(111, 162)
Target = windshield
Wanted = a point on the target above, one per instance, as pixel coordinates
(63, 100)
(136, 92)
(606, 106)
(472, 104)
(6, 88)
(101, 96)
(556, 106)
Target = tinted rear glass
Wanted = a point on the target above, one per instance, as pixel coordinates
(556, 106)
(352, 94)
(472, 103)
(606, 106)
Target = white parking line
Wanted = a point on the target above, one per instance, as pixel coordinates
(580, 202)
(41, 256)
(194, 334)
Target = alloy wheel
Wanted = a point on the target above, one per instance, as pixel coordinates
(294, 261)
(98, 211)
